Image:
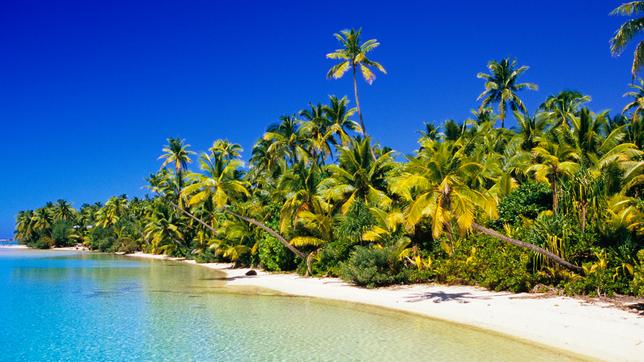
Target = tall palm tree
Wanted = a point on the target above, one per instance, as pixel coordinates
(502, 86)
(629, 31)
(352, 56)
(176, 152)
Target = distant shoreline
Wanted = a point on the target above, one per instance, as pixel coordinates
(589, 329)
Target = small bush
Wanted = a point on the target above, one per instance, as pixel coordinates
(273, 256)
(44, 242)
(61, 234)
(101, 239)
(637, 284)
(126, 245)
(372, 267)
(527, 201)
(488, 262)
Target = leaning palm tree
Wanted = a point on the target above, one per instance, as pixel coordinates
(220, 184)
(502, 86)
(352, 56)
(629, 31)
(436, 184)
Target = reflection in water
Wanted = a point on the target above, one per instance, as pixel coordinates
(91, 307)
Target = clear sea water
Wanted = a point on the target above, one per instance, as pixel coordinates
(66, 306)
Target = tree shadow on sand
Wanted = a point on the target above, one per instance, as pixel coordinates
(441, 297)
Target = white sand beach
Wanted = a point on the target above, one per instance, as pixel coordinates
(593, 329)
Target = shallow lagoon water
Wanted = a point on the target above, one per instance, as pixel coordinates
(57, 306)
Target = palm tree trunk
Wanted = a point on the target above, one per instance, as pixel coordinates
(272, 232)
(193, 217)
(583, 215)
(522, 244)
(355, 92)
(252, 222)
(555, 197)
(502, 117)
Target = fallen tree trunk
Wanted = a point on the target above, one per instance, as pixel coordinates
(495, 234)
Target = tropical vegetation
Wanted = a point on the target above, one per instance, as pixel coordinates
(555, 201)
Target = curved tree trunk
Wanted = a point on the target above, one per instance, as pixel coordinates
(272, 232)
(193, 217)
(252, 222)
(536, 249)
(309, 263)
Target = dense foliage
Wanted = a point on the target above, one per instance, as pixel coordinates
(556, 201)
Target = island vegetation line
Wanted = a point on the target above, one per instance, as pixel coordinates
(556, 201)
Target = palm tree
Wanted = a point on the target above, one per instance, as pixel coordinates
(285, 141)
(636, 105)
(115, 208)
(24, 226)
(501, 87)
(352, 56)
(358, 176)
(553, 161)
(176, 152)
(42, 221)
(163, 231)
(563, 108)
(531, 128)
(338, 112)
(218, 183)
(316, 131)
(436, 185)
(629, 31)
(63, 210)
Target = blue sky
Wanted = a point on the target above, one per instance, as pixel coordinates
(89, 90)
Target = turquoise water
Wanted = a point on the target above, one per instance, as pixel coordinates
(65, 306)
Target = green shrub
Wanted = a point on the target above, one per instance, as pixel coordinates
(101, 239)
(527, 201)
(637, 284)
(273, 256)
(372, 267)
(44, 242)
(61, 234)
(126, 245)
(488, 262)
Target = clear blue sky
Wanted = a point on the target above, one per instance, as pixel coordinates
(89, 90)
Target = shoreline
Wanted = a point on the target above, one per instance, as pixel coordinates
(590, 329)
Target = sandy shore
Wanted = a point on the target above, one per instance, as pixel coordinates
(595, 329)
